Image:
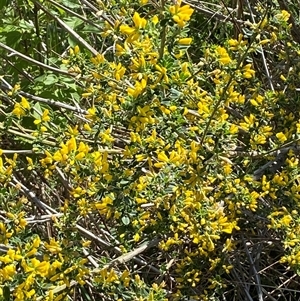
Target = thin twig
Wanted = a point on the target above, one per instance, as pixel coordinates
(99, 13)
(262, 52)
(90, 258)
(52, 102)
(211, 13)
(33, 61)
(282, 284)
(68, 29)
(70, 11)
(256, 275)
(130, 255)
(58, 289)
(29, 137)
(42, 218)
(97, 239)
(17, 184)
(21, 151)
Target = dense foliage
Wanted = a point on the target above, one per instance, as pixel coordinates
(149, 150)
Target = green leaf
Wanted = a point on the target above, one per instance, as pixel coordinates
(26, 25)
(6, 293)
(73, 22)
(85, 294)
(71, 4)
(125, 220)
(50, 80)
(38, 110)
(3, 3)
(13, 38)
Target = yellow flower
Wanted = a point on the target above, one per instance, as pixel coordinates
(229, 227)
(30, 293)
(185, 41)
(228, 246)
(6, 259)
(281, 137)
(162, 157)
(8, 272)
(283, 78)
(45, 117)
(286, 220)
(91, 113)
(36, 242)
(283, 16)
(119, 71)
(247, 71)
(76, 49)
(233, 129)
(136, 237)
(125, 277)
(181, 14)
(265, 41)
(18, 110)
(98, 59)
(253, 102)
(137, 89)
(105, 205)
(233, 43)
(106, 136)
(25, 104)
(14, 90)
(250, 121)
(140, 157)
(223, 55)
(30, 163)
(43, 129)
(163, 73)
(35, 265)
(87, 127)
(4, 233)
(86, 243)
(155, 20)
(42, 268)
(257, 101)
(259, 139)
(138, 21)
(227, 169)
(71, 145)
(127, 29)
(53, 247)
(84, 148)
(133, 33)
(120, 50)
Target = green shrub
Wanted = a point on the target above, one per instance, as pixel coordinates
(152, 165)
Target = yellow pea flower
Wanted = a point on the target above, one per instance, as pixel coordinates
(223, 55)
(181, 14)
(185, 41)
(281, 137)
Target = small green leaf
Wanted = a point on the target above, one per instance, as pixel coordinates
(6, 293)
(50, 80)
(125, 220)
(3, 3)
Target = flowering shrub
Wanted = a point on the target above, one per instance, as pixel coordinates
(152, 165)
